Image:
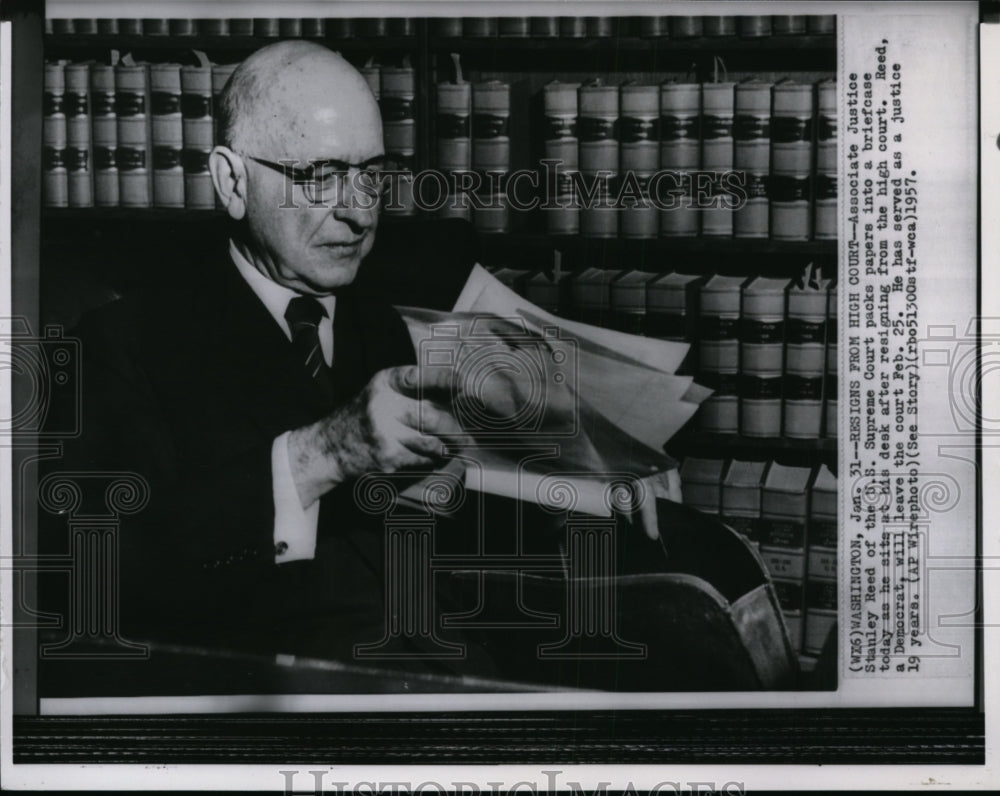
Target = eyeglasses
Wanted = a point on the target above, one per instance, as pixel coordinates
(326, 181)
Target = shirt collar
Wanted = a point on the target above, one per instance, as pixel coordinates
(273, 296)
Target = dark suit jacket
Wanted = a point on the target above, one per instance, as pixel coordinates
(188, 386)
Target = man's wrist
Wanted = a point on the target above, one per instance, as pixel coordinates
(314, 471)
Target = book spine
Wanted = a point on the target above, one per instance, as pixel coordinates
(168, 137)
(830, 383)
(103, 108)
(545, 27)
(85, 27)
(572, 27)
(682, 27)
(243, 26)
(156, 27)
(107, 27)
(514, 27)
(821, 583)
(653, 27)
(782, 546)
(198, 136)
(825, 224)
(717, 151)
(401, 26)
(791, 160)
(290, 28)
(762, 331)
(314, 27)
(804, 361)
(752, 157)
(479, 27)
(135, 178)
(680, 107)
(745, 521)
(371, 27)
(821, 24)
(788, 25)
(397, 93)
(597, 128)
(600, 27)
(213, 27)
(562, 217)
(183, 27)
(55, 179)
(447, 27)
(266, 27)
(639, 159)
(491, 153)
(673, 315)
(63, 27)
(79, 149)
(130, 27)
(754, 27)
(719, 26)
(454, 144)
(718, 362)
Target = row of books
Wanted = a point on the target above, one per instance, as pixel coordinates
(270, 27)
(790, 515)
(139, 134)
(753, 159)
(679, 27)
(766, 346)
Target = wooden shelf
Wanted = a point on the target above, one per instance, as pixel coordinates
(706, 245)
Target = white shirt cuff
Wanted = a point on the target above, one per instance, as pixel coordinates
(294, 526)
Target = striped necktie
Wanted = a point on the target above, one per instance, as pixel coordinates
(303, 315)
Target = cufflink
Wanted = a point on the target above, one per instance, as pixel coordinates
(281, 548)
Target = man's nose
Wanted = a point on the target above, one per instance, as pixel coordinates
(357, 205)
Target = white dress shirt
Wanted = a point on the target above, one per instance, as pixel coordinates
(294, 526)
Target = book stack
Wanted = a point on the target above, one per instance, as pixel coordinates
(821, 566)
(762, 332)
(672, 312)
(640, 155)
(561, 147)
(825, 223)
(599, 158)
(135, 173)
(805, 350)
(717, 152)
(198, 131)
(830, 392)
(741, 498)
(791, 160)
(79, 151)
(454, 143)
(590, 295)
(701, 483)
(548, 292)
(628, 301)
(491, 153)
(396, 97)
(104, 136)
(783, 540)
(680, 153)
(167, 135)
(55, 181)
(719, 352)
(752, 156)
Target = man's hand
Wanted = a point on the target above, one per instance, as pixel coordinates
(383, 429)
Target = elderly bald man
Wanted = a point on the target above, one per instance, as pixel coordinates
(252, 399)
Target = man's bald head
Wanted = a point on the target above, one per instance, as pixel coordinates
(280, 88)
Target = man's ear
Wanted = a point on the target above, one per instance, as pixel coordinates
(230, 180)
